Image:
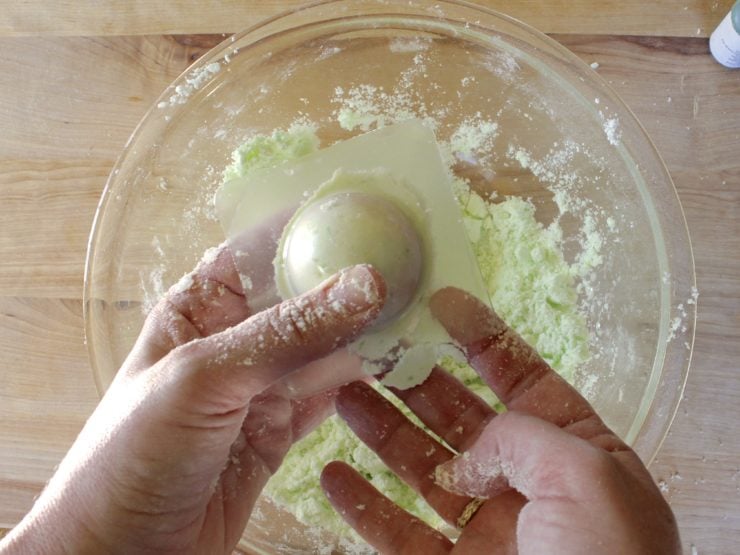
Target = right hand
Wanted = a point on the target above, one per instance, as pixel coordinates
(549, 474)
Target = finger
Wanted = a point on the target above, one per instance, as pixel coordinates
(448, 408)
(380, 522)
(268, 426)
(309, 412)
(494, 526)
(260, 446)
(253, 252)
(337, 369)
(514, 371)
(533, 456)
(258, 450)
(272, 425)
(212, 297)
(232, 366)
(408, 450)
(231, 281)
(205, 301)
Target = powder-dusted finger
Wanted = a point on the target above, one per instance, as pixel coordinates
(217, 264)
(408, 450)
(570, 484)
(253, 252)
(205, 301)
(268, 426)
(211, 297)
(238, 363)
(448, 408)
(258, 450)
(380, 522)
(513, 369)
(537, 458)
(273, 423)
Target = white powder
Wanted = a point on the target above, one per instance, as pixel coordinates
(503, 65)
(185, 283)
(210, 255)
(247, 283)
(152, 284)
(694, 296)
(613, 131)
(474, 136)
(193, 82)
(413, 44)
(328, 52)
(366, 107)
(555, 170)
(678, 323)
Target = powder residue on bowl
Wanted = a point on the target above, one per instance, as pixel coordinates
(366, 106)
(531, 286)
(194, 81)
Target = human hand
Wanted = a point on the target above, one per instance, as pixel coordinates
(547, 476)
(197, 419)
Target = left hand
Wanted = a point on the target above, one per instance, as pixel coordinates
(196, 421)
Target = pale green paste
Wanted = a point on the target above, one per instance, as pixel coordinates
(531, 286)
(267, 151)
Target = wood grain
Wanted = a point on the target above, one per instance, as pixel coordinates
(58, 247)
(65, 122)
(80, 98)
(690, 18)
(690, 116)
(46, 396)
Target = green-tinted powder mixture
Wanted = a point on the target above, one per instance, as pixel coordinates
(531, 286)
(266, 151)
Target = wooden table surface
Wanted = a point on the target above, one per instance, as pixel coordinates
(76, 77)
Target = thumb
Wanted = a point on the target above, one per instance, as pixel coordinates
(240, 362)
(523, 452)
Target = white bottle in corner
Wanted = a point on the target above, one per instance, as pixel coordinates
(725, 41)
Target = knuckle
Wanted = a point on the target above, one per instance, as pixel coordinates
(173, 323)
(293, 320)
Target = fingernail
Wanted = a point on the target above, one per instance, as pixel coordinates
(356, 290)
(444, 475)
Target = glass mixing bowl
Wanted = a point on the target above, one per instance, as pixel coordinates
(445, 60)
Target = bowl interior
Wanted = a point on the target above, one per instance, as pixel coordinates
(564, 140)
